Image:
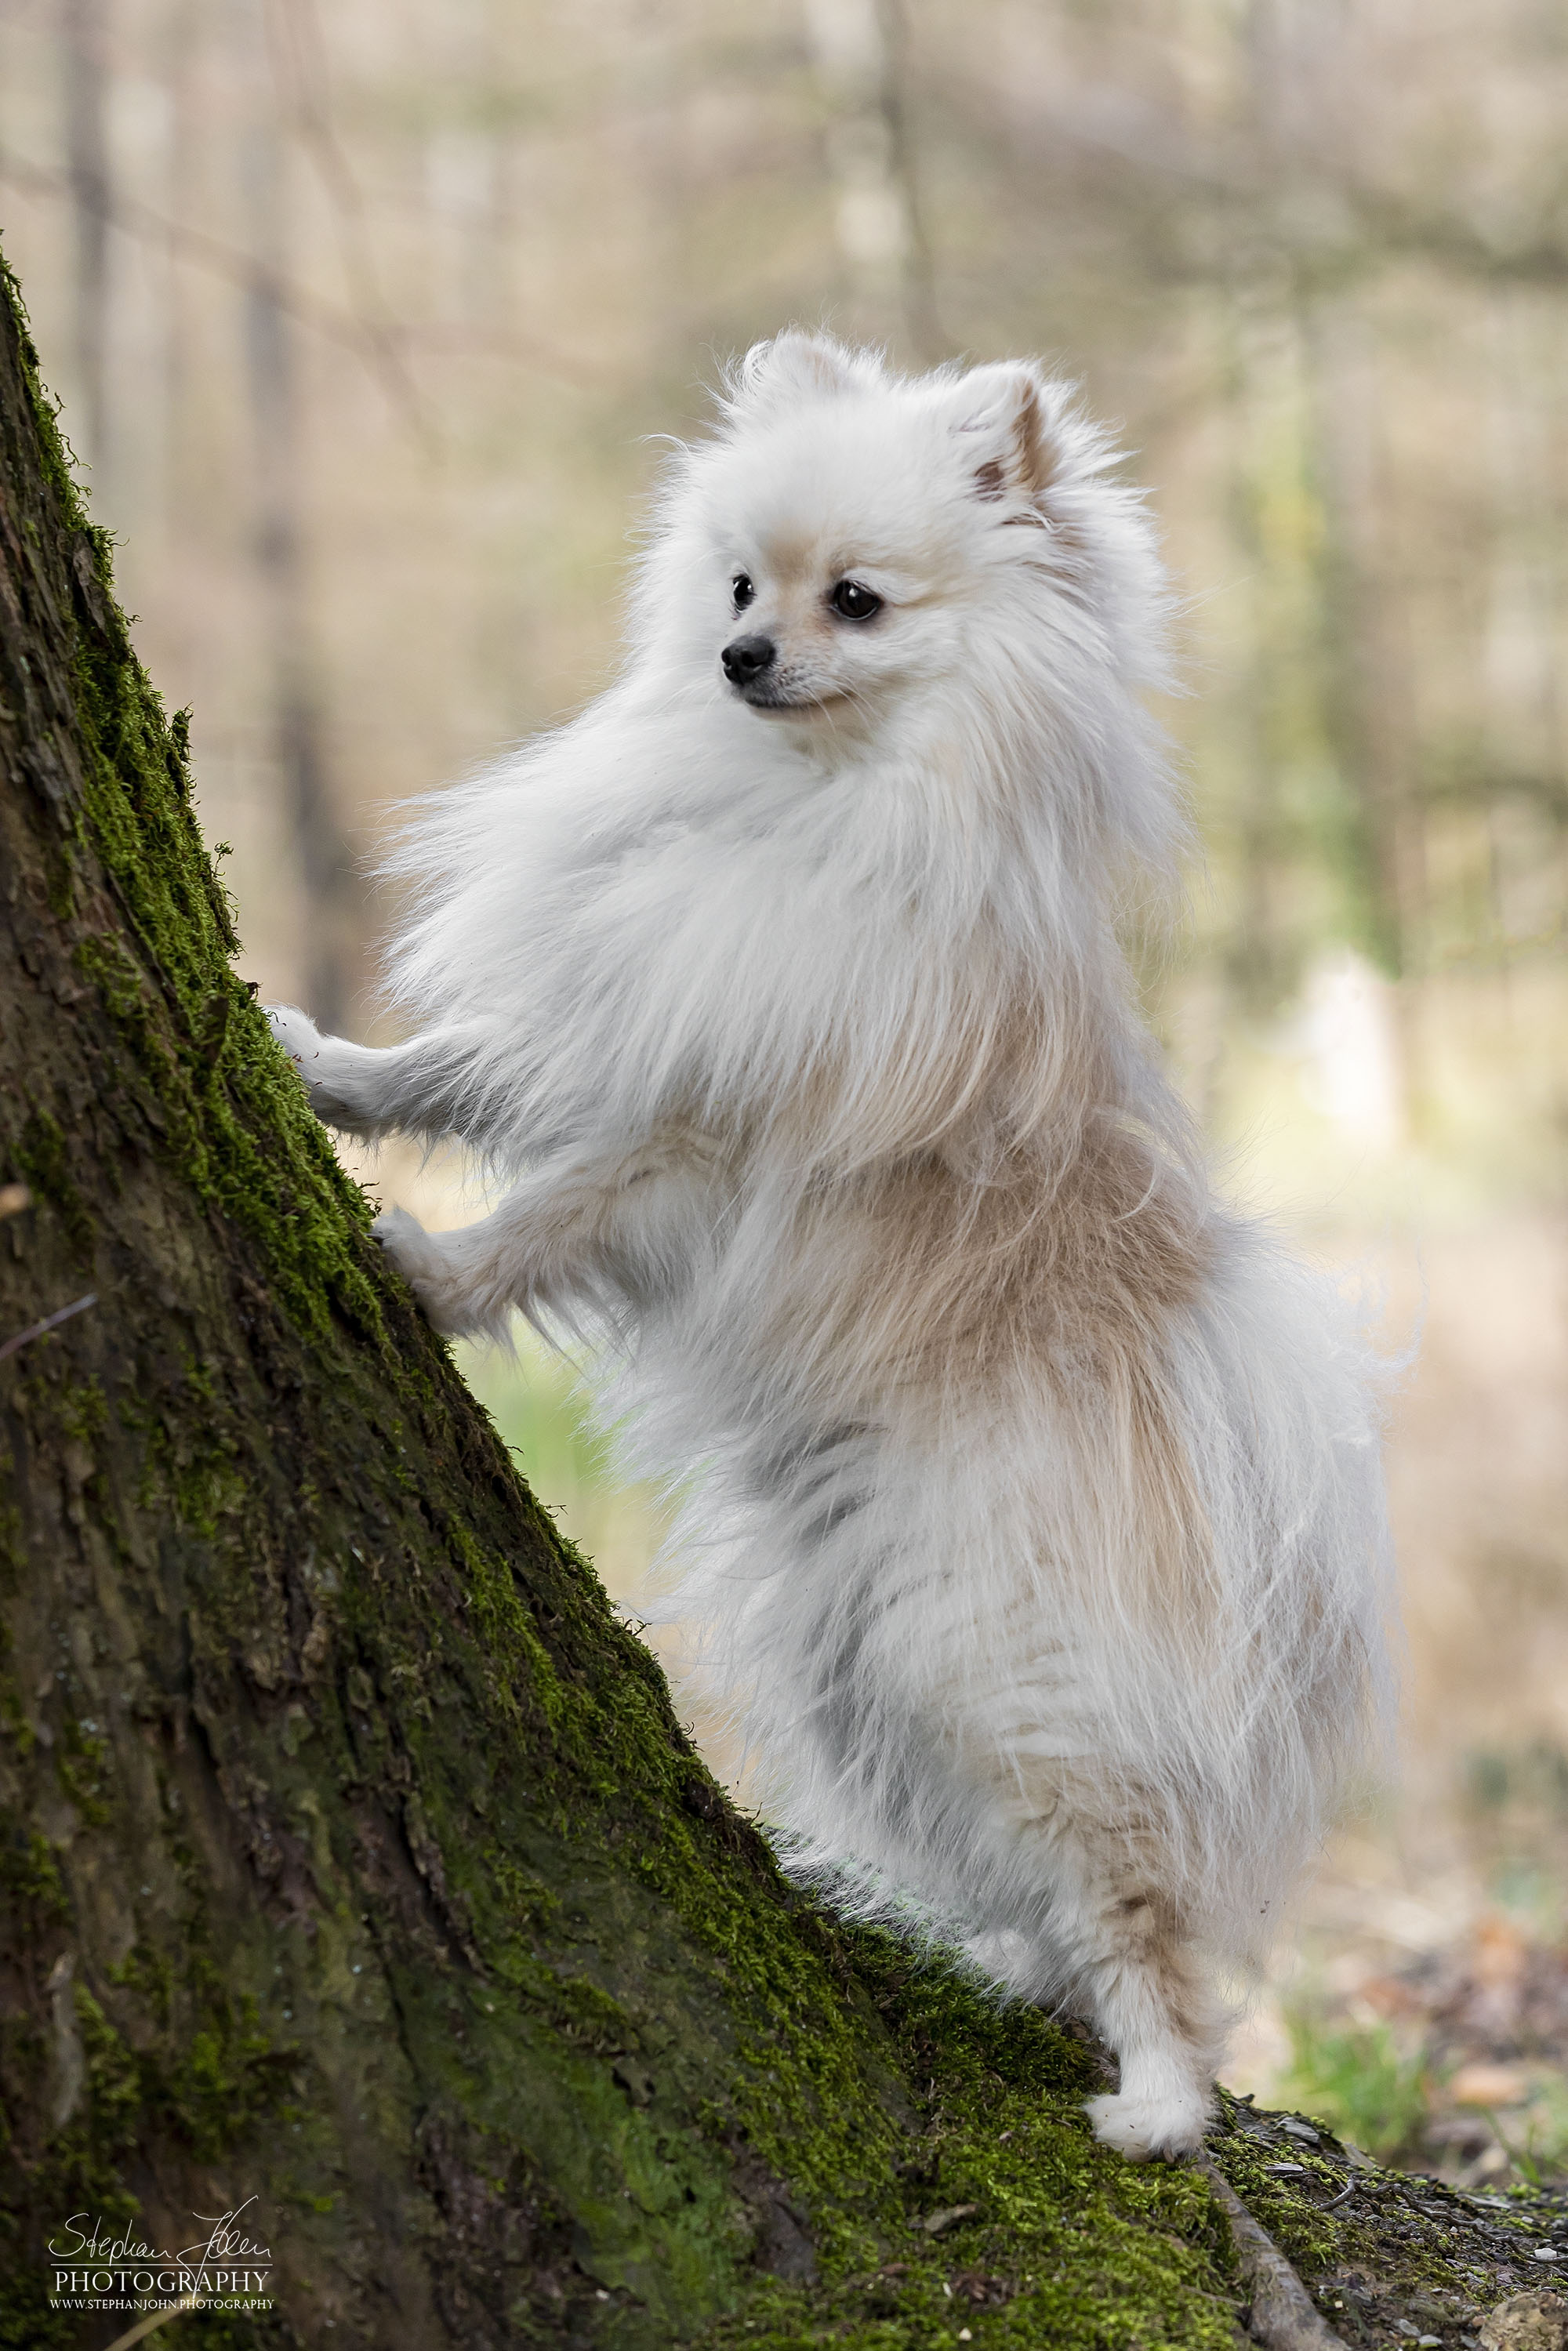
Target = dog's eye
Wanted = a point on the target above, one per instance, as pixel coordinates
(742, 590)
(855, 602)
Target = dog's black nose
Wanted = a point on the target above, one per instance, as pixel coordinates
(747, 657)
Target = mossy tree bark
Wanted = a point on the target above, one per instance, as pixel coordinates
(353, 1861)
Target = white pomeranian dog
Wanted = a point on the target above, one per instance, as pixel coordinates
(1039, 1542)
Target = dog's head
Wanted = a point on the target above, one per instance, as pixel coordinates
(851, 538)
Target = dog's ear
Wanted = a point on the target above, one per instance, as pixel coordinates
(1001, 430)
(797, 366)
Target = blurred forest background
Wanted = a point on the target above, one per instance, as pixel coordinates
(366, 318)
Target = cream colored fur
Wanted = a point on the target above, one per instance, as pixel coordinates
(1038, 1545)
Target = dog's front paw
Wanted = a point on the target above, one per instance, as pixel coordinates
(1139, 2126)
(425, 1261)
(324, 1064)
(297, 1033)
(415, 1253)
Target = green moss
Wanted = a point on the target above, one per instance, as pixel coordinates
(114, 2079)
(30, 1875)
(1055, 2240)
(83, 1764)
(80, 1409)
(232, 2076)
(43, 1158)
(13, 1547)
(14, 1719)
(505, 1629)
(148, 1973)
(1388, 2255)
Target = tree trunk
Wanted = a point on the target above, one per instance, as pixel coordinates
(355, 1870)
(84, 30)
(329, 887)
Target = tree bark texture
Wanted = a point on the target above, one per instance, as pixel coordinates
(352, 1859)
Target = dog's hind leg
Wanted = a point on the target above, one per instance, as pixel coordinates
(1151, 2006)
(1123, 1958)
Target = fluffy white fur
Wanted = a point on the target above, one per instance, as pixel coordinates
(1039, 1544)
